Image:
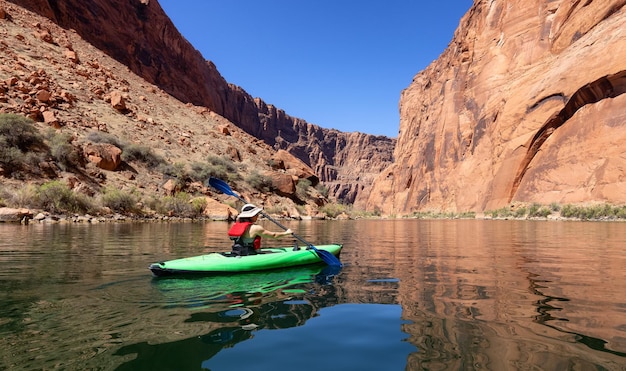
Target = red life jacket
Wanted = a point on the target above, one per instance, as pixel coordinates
(237, 231)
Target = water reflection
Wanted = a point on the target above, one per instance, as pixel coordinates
(453, 294)
(232, 307)
(549, 309)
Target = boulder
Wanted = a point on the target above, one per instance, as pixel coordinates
(103, 155)
(50, 119)
(117, 101)
(295, 166)
(8, 214)
(218, 211)
(284, 184)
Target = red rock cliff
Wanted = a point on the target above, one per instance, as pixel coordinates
(139, 34)
(526, 104)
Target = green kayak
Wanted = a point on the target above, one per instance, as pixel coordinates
(222, 263)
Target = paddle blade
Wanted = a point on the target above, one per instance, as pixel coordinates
(327, 257)
(221, 186)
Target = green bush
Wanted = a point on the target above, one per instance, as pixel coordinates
(620, 212)
(11, 158)
(18, 136)
(180, 205)
(177, 173)
(223, 162)
(200, 171)
(176, 170)
(322, 189)
(215, 166)
(19, 132)
(143, 154)
(57, 197)
(333, 210)
(504, 212)
(198, 205)
(62, 150)
(101, 137)
(120, 201)
(260, 182)
(538, 211)
(5, 195)
(302, 189)
(27, 196)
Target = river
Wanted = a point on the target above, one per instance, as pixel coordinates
(412, 295)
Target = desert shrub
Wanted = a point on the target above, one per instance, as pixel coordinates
(302, 189)
(332, 210)
(424, 214)
(569, 211)
(5, 195)
(620, 212)
(57, 197)
(504, 212)
(179, 205)
(177, 173)
(200, 171)
(143, 154)
(538, 211)
(223, 162)
(198, 205)
(101, 137)
(176, 170)
(259, 181)
(18, 132)
(520, 212)
(24, 197)
(603, 211)
(10, 157)
(322, 189)
(120, 201)
(17, 137)
(216, 166)
(62, 150)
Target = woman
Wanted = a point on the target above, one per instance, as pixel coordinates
(247, 235)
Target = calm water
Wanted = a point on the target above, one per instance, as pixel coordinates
(413, 295)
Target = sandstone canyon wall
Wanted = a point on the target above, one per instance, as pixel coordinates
(525, 105)
(139, 34)
(347, 163)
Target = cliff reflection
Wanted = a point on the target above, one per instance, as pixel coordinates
(498, 295)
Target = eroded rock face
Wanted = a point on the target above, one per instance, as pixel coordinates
(141, 36)
(526, 104)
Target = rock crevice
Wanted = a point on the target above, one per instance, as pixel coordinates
(604, 88)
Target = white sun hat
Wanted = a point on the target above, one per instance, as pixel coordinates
(249, 210)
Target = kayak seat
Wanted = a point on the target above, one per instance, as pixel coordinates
(241, 250)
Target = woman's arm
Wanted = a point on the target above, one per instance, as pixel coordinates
(257, 230)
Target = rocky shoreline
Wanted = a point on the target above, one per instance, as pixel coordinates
(27, 216)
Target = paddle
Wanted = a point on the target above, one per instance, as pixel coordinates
(326, 256)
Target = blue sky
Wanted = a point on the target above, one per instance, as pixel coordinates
(339, 64)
